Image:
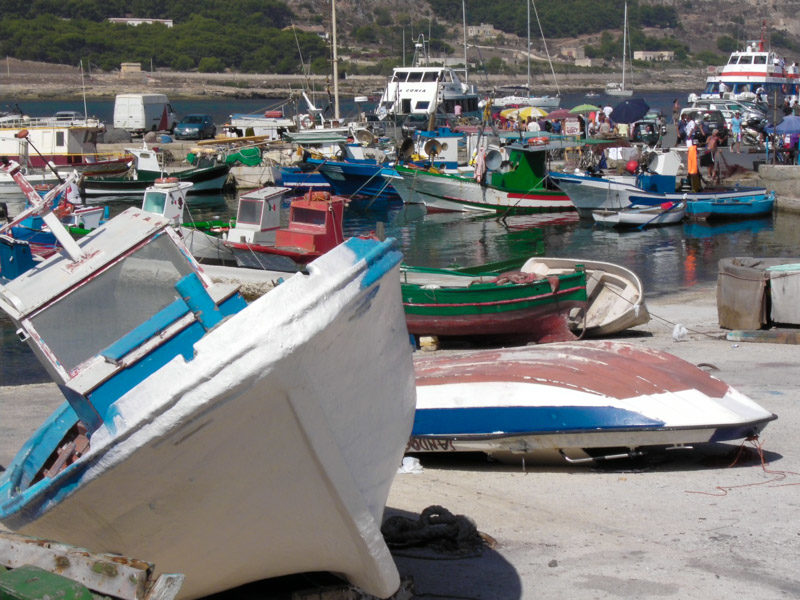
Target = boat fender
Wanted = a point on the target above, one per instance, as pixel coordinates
(514, 277)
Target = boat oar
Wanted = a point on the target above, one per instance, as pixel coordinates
(662, 213)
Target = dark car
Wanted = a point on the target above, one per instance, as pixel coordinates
(195, 127)
(707, 121)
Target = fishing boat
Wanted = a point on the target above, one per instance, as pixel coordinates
(753, 73)
(167, 197)
(517, 185)
(641, 217)
(584, 400)
(443, 302)
(617, 88)
(258, 241)
(424, 90)
(589, 193)
(614, 294)
(226, 441)
(207, 177)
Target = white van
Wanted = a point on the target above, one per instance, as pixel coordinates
(139, 113)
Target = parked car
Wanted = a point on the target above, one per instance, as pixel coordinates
(197, 127)
(709, 120)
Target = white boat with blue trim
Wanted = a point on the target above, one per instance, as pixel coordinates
(227, 441)
(584, 400)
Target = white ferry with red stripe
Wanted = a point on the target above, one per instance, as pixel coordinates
(755, 73)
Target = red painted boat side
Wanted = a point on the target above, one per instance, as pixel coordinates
(602, 368)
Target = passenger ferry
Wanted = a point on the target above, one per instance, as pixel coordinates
(754, 74)
(423, 90)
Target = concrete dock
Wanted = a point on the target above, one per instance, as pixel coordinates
(687, 524)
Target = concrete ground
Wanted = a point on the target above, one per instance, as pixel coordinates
(682, 525)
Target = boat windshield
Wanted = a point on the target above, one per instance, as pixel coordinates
(249, 211)
(306, 216)
(109, 305)
(154, 202)
(760, 59)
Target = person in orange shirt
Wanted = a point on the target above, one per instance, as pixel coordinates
(692, 168)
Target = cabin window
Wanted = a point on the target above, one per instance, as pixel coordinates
(414, 77)
(760, 59)
(154, 202)
(401, 75)
(60, 139)
(249, 211)
(733, 60)
(306, 216)
(746, 60)
(422, 105)
(430, 76)
(112, 303)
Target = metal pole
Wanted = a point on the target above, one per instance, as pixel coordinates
(335, 63)
(464, 20)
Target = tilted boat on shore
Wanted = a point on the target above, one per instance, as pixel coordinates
(583, 400)
(227, 441)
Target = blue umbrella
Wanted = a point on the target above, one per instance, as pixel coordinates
(788, 126)
(629, 110)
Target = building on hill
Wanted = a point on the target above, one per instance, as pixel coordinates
(139, 21)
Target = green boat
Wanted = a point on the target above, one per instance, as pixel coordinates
(446, 302)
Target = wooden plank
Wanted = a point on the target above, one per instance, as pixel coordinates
(769, 336)
(108, 574)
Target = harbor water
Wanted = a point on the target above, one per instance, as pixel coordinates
(668, 259)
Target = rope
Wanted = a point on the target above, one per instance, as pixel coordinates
(436, 529)
(777, 475)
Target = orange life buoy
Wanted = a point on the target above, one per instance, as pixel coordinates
(167, 180)
(537, 141)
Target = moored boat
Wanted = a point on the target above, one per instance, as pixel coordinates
(614, 294)
(197, 426)
(522, 187)
(669, 213)
(584, 400)
(443, 302)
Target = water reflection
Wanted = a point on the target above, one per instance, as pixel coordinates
(666, 258)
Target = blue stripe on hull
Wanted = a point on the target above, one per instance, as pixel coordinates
(519, 420)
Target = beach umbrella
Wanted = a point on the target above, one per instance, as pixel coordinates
(629, 110)
(560, 113)
(790, 125)
(583, 109)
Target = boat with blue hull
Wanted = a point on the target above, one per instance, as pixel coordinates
(579, 399)
(361, 181)
(196, 426)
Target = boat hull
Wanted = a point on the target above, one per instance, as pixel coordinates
(636, 216)
(535, 310)
(280, 462)
(573, 396)
(360, 180)
(588, 194)
(451, 193)
(205, 179)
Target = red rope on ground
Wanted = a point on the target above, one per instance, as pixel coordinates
(777, 475)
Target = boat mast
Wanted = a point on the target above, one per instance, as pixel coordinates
(335, 63)
(624, 43)
(464, 23)
(528, 52)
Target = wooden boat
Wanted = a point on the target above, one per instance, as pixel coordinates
(522, 188)
(226, 441)
(641, 216)
(444, 302)
(258, 241)
(614, 294)
(744, 205)
(586, 400)
(207, 177)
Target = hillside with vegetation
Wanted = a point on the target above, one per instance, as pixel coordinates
(257, 36)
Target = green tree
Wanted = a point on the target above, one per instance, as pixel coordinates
(210, 64)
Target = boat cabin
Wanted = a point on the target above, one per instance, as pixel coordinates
(315, 224)
(258, 216)
(167, 198)
(524, 171)
(104, 319)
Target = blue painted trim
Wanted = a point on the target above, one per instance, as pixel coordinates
(519, 420)
(196, 297)
(146, 330)
(379, 256)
